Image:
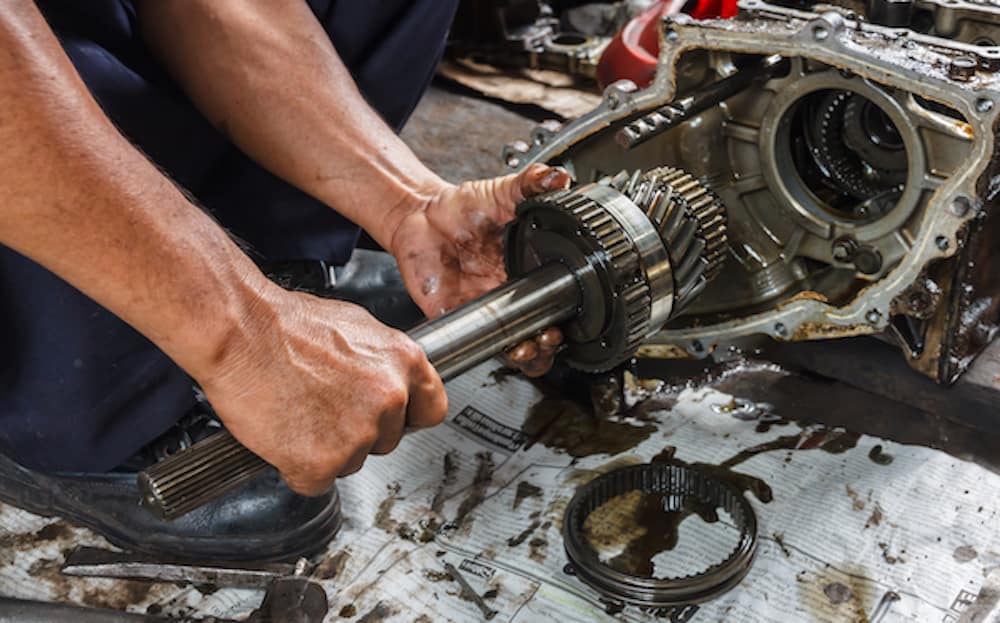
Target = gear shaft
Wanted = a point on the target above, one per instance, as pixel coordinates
(609, 263)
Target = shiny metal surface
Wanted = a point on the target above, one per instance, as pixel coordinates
(485, 327)
(653, 259)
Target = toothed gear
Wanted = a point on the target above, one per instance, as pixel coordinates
(691, 220)
(630, 280)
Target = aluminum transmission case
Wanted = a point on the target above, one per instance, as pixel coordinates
(859, 171)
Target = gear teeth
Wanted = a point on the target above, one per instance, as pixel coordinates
(690, 218)
(637, 305)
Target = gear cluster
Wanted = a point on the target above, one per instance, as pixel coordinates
(691, 220)
(631, 287)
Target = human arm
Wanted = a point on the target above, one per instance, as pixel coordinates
(83, 202)
(267, 74)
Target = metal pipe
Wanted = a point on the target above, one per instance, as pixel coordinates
(453, 343)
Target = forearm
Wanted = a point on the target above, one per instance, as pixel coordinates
(80, 200)
(267, 75)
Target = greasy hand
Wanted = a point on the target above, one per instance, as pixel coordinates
(319, 385)
(450, 249)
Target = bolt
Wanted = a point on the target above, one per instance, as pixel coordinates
(942, 243)
(960, 206)
(697, 346)
(962, 68)
(843, 249)
(781, 330)
(873, 316)
(984, 105)
(820, 33)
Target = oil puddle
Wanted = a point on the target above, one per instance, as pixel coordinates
(635, 532)
(577, 430)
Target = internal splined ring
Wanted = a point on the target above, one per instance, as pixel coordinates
(677, 487)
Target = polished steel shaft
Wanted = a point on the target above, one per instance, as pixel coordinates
(453, 343)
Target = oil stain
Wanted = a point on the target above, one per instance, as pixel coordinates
(779, 538)
(500, 376)
(576, 429)
(123, 593)
(437, 576)
(514, 541)
(647, 524)
(383, 516)
(382, 611)
(348, 612)
(477, 492)
(332, 566)
(526, 490)
(836, 593)
(584, 415)
(890, 558)
(857, 503)
(450, 467)
(875, 519)
(964, 553)
(879, 457)
(539, 549)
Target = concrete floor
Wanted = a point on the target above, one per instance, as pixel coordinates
(459, 136)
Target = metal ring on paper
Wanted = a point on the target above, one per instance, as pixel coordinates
(672, 480)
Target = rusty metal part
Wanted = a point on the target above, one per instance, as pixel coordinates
(290, 597)
(101, 563)
(829, 229)
(679, 489)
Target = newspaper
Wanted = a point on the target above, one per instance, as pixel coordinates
(852, 533)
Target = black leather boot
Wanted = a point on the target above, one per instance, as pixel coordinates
(261, 521)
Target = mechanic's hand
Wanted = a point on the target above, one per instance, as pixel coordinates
(315, 386)
(450, 250)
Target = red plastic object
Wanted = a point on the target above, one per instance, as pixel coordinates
(632, 54)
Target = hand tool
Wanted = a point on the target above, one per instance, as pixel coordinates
(608, 262)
